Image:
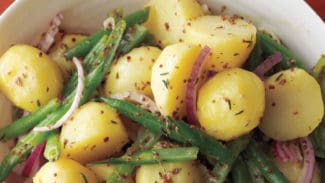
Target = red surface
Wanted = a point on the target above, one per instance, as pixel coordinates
(317, 5)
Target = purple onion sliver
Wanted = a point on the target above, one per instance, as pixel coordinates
(191, 93)
(267, 64)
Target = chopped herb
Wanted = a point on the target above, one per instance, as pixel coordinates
(163, 74)
(84, 177)
(250, 42)
(240, 112)
(166, 83)
(114, 122)
(279, 77)
(229, 102)
(38, 103)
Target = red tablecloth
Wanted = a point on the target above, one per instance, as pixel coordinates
(318, 5)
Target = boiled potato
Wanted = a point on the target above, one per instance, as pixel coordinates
(28, 77)
(64, 171)
(5, 111)
(169, 78)
(231, 103)
(57, 53)
(294, 105)
(167, 19)
(132, 72)
(231, 39)
(94, 132)
(182, 172)
(103, 172)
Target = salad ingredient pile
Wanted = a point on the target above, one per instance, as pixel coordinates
(169, 93)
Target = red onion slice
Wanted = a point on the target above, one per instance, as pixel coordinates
(267, 64)
(309, 160)
(191, 91)
(36, 155)
(75, 102)
(48, 37)
(287, 151)
(144, 101)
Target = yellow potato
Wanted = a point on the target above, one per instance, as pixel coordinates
(182, 172)
(294, 105)
(103, 172)
(28, 77)
(231, 39)
(167, 19)
(132, 72)
(231, 103)
(65, 171)
(57, 53)
(169, 78)
(5, 111)
(94, 132)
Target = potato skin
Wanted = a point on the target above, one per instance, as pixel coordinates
(58, 50)
(28, 77)
(169, 78)
(132, 72)
(167, 19)
(94, 132)
(294, 105)
(182, 172)
(231, 104)
(6, 110)
(231, 39)
(65, 171)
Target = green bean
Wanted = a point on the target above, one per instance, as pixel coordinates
(133, 38)
(255, 58)
(92, 81)
(270, 46)
(23, 124)
(322, 168)
(270, 172)
(221, 170)
(82, 48)
(155, 156)
(254, 173)
(142, 143)
(240, 172)
(177, 130)
(136, 17)
(52, 149)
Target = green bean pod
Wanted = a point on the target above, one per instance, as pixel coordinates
(24, 124)
(155, 156)
(52, 149)
(270, 46)
(144, 142)
(270, 172)
(240, 172)
(174, 129)
(134, 38)
(254, 173)
(221, 170)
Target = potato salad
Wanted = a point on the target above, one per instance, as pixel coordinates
(171, 93)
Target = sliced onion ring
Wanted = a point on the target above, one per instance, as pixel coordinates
(309, 160)
(48, 37)
(287, 151)
(144, 101)
(34, 159)
(75, 102)
(267, 64)
(191, 90)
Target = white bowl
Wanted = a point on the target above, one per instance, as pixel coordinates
(293, 21)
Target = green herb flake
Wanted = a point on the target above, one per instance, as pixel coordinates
(166, 83)
(240, 112)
